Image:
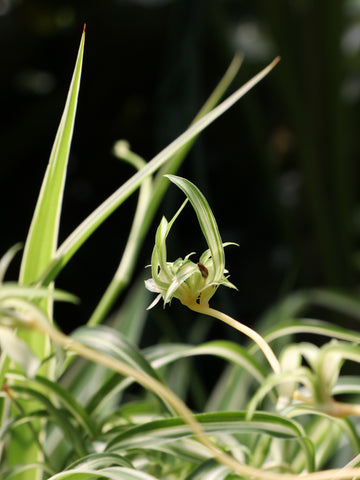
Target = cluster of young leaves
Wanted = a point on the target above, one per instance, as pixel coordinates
(63, 417)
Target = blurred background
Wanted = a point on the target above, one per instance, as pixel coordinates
(280, 170)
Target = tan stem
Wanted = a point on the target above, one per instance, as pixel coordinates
(331, 407)
(256, 337)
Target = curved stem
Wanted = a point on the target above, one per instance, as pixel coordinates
(256, 337)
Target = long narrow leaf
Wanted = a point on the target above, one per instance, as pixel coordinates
(164, 354)
(313, 327)
(69, 404)
(22, 471)
(42, 238)
(111, 342)
(111, 473)
(12, 289)
(166, 430)
(100, 460)
(39, 250)
(206, 220)
(57, 416)
(91, 223)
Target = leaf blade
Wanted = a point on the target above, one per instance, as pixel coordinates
(206, 220)
(41, 242)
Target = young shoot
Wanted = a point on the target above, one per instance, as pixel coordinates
(194, 283)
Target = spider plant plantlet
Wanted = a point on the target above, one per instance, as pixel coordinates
(194, 283)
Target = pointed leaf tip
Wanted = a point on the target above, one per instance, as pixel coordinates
(272, 65)
(84, 28)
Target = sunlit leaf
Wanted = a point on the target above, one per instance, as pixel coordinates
(42, 238)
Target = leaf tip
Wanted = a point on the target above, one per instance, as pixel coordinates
(276, 61)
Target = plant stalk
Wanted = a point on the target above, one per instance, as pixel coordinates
(256, 337)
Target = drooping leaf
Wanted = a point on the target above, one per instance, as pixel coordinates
(169, 430)
(206, 220)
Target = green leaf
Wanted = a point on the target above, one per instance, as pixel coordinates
(12, 289)
(111, 473)
(340, 301)
(129, 319)
(21, 471)
(185, 271)
(294, 304)
(209, 469)
(164, 354)
(129, 257)
(347, 384)
(325, 430)
(346, 351)
(100, 460)
(74, 435)
(7, 258)
(325, 434)
(172, 429)
(206, 220)
(70, 405)
(314, 327)
(300, 375)
(111, 342)
(159, 254)
(42, 238)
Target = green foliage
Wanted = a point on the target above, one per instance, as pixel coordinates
(69, 407)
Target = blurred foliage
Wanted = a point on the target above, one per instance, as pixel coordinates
(287, 155)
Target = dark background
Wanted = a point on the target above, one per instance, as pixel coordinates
(280, 169)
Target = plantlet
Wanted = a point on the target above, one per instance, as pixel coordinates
(195, 283)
